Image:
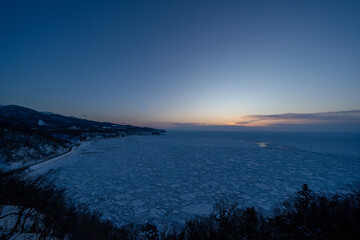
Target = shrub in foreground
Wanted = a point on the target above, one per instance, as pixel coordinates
(304, 216)
(45, 212)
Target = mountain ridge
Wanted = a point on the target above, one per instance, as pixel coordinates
(20, 116)
(27, 135)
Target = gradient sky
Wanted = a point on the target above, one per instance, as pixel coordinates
(212, 62)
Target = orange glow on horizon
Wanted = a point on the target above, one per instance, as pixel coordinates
(258, 121)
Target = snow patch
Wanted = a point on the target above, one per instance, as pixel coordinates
(41, 122)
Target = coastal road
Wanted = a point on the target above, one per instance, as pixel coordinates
(33, 168)
(37, 166)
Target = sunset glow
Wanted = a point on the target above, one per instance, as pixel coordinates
(173, 63)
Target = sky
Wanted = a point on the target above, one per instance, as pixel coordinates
(184, 63)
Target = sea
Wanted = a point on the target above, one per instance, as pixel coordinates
(167, 179)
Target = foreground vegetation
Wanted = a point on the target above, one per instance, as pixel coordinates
(304, 216)
(45, 213)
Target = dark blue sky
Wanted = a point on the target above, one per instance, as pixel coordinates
(209, 62)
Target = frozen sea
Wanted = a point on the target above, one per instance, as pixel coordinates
(167, 179)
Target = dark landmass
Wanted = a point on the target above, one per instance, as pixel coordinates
(28, 135)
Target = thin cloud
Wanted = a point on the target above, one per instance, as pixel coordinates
(300, 118)
(348, 121)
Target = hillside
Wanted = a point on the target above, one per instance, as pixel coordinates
(27, 135)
